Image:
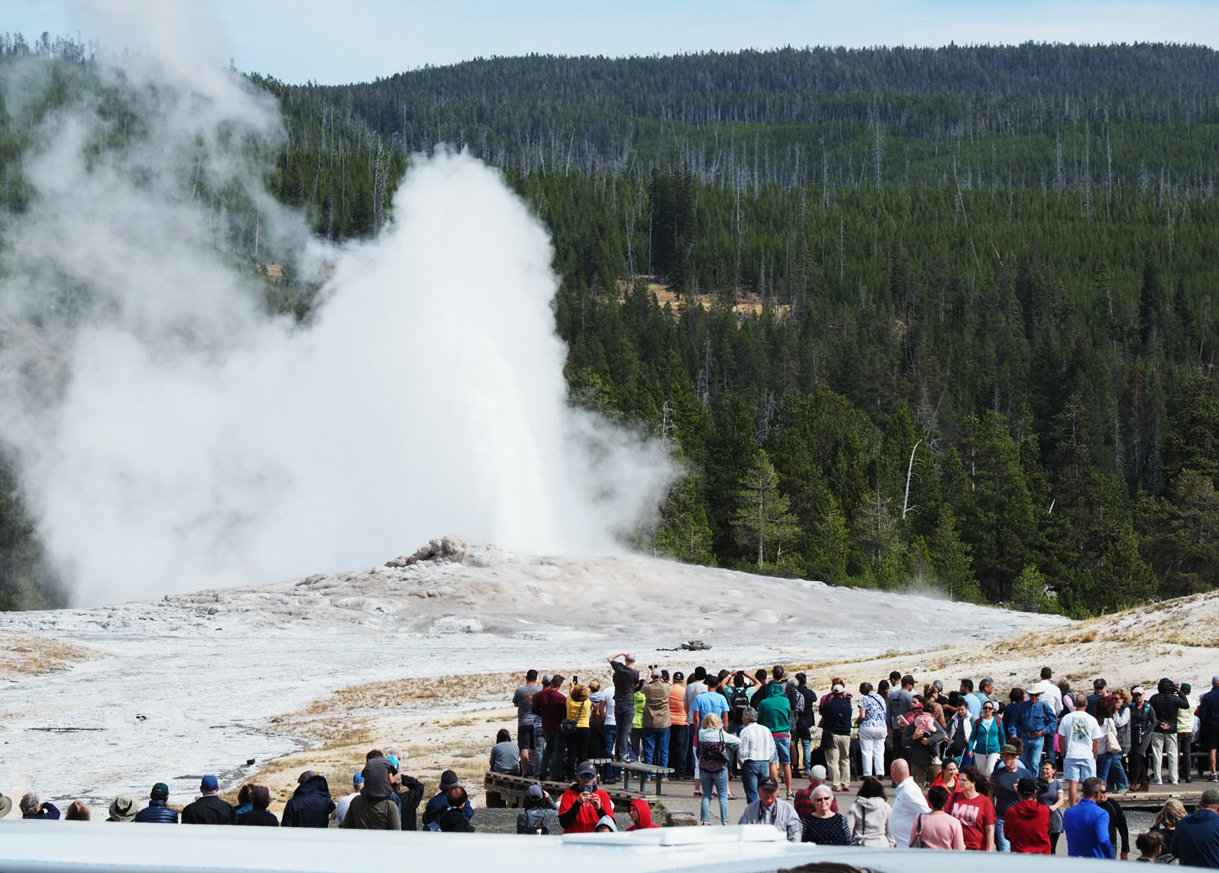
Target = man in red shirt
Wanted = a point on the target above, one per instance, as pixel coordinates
(550, 706)
(583, 803)
(1027, 824)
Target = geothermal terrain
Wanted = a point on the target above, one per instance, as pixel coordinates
(423, 652)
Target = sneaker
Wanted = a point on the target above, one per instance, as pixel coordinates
(698, 792)
(1214, 777)
(791, 795)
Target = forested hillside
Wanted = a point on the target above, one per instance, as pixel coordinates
(989, 276)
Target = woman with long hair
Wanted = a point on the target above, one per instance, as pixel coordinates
(1050, 793)
(987, 739)
(974, 810)
(1109, 761)
(868, 817)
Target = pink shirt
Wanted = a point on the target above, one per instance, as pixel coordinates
(939, 831)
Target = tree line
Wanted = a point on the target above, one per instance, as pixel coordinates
(983, 359)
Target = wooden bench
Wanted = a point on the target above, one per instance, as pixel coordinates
(641, 770)
(504, 790)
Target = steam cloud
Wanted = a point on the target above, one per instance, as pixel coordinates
(170, 436)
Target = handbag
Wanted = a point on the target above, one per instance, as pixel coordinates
(568, 726)
(1111, 736)
(917, 842)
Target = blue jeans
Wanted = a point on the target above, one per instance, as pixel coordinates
(714, 782)
(1031, 756)
(611, 773)
(1109, 767)
(751, 772)
(1001, 842)
(652, 739)
(806, 748)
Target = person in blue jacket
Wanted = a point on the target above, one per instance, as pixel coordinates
(1035, 722)
(1087, 825)
(158, 811)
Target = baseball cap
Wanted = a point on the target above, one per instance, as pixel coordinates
(768, 782)
(837, 689)
(1138, 689)
(1026, 787)
(160, 791)
(209, 783)
(679, 676)
(358, 779)
(534, 792)
(586, 768)
(1210, 797)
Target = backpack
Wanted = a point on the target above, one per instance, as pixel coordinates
(712, 757)
(597, 716)
(739, 703)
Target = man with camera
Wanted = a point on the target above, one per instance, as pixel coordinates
(583, 803)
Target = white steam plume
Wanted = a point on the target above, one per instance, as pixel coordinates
(169, 436)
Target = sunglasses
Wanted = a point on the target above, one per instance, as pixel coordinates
(822, 799)
(588, 775)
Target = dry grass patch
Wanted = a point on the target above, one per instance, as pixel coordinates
(25, 655)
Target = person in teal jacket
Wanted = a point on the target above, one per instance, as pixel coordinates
(987, 739)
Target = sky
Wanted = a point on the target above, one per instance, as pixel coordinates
(341, 41)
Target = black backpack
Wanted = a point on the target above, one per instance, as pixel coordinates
(739, 703)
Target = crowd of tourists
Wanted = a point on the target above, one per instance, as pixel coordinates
(969, 768)
(966, 768)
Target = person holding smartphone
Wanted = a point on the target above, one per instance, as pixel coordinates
(584, 803)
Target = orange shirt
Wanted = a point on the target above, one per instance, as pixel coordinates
(677, 703)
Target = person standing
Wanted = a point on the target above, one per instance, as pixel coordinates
(1185, 734)
(550, 706)
(775, 713)
(1165, 703)
(679, 728)
(1026, 824)
(626, 677)
(657, 719)
(872, 731)
(755, 753)
(1082, 735)
(1005, 781)
(836, 718)
(1035, 722)
(1142, 729)
(986, 741)
(1086, 824)
(975, 811)
(908, 803)
(937, 829)
(529, 736)
(1208, 724)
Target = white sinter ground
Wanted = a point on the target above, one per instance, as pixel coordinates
(186, 685)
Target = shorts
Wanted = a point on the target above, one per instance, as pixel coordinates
(524, 736)
(1208, 736)
(783, 750)
(1078, 769)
